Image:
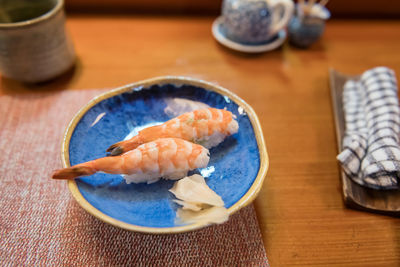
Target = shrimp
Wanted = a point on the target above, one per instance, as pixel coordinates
(207, 127)
(170, 158)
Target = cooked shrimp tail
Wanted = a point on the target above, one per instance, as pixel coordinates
(145, 136)
(124, 146)
(107, 164)
(72, 172)
(116, 149)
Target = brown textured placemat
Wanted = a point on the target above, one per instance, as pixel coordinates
(41, 224)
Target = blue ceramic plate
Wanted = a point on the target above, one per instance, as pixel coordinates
(236, 169)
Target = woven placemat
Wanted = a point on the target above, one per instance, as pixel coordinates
(41, 224)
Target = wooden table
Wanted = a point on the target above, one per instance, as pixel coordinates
(300, 208)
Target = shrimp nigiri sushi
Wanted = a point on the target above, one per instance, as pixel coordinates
(207, 127)
(170, 158)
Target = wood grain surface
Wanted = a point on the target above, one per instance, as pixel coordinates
(300, 208)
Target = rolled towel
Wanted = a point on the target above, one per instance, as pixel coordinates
(371, 151)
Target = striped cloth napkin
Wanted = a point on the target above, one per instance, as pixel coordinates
(371, 152)
(42, 225)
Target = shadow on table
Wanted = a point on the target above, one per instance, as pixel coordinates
(276, 53)
(87, 240)
(12, 87)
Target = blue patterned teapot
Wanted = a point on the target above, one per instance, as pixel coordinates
(255, 21)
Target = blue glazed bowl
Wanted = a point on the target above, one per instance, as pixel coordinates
(305, 30)
(236, 169)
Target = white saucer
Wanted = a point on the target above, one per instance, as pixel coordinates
(247, 48)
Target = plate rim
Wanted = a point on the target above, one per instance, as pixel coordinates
(246, 199)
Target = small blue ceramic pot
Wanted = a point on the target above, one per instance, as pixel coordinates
(255, 21)
(304, 30)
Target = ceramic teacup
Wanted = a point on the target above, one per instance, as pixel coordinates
(255, 21)
(34, 46)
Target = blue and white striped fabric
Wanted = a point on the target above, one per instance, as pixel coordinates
(371, 151)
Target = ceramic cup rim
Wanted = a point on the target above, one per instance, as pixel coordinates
(12, 25)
